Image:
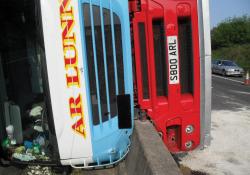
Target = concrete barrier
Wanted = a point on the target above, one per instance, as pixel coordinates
(148, 154)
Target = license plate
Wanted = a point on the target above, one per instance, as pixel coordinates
(173, 59)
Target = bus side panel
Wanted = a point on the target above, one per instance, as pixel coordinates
(66, 80)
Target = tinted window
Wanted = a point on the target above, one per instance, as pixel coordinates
(110, 61)
(214, 62)
(100, 61)
(119, 53)
(91, 67)
(98, 65)
(228, 63)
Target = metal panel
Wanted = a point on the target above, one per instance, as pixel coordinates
(205, 62)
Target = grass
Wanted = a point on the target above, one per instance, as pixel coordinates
(238, 53)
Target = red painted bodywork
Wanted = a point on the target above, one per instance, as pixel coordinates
(171, 114)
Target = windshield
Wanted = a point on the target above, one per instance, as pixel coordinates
(214, 62)
(228, 63)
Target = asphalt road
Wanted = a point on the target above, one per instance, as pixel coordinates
(229, 93)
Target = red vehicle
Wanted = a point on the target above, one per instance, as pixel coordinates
(167, 68)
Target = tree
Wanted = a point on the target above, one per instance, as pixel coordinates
(231, 32)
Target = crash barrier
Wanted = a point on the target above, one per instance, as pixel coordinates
(148, 154)
(166, 50)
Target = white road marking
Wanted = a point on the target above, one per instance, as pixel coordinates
(241, 92)
(237, 81)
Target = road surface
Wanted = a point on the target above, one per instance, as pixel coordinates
(229, 150)
(229, 93)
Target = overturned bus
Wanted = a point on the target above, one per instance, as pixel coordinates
(66, 91)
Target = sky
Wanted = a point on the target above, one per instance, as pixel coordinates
(223, 9)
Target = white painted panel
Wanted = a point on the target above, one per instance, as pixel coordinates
(71, 144)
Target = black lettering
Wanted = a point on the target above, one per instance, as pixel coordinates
(173, 66)
(172, 47)
(173, 72)
(173, 61)
(172, 78)
(173, 53)
(174, 43)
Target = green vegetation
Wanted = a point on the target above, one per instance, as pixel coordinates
(231, 40)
